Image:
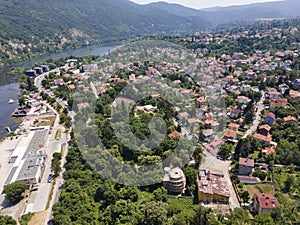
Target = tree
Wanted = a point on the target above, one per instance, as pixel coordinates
(225, 150)
(55, 163)
(198, 154)
(263, 219)
(7, 220)
(239, 217)
(160, 194)
(191, 175)
(201, 215)
(14, 191)
(155, 213)
(245, 196)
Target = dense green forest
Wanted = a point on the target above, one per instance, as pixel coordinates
(43, 26)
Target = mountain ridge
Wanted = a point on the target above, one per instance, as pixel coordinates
(38, 26)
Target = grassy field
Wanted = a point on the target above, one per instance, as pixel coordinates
(262, 188)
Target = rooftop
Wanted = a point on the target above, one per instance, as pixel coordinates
(246, 162)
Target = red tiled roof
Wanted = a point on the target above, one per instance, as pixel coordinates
(289, 118)
(230, 133)
(246, 162)
(266, 127)
(174, 134)
(268, 151)
(262, 138)
(271, 115)
(234, 125)
(266, 201)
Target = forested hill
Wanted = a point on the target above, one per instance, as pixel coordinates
(39, 25)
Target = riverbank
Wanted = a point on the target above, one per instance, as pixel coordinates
(9, 87)
(7, 92)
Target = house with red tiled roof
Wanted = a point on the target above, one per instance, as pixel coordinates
(264, 202)
(268, 151)
(200, 101)
(174, 134)
(246, 166)
(183, 115)
(266, 139)
(229, 134)
(233, 126)
(264, 129)
(212, 186)
(71, 87)
(289, 118)
(278, 102)
(294, 94)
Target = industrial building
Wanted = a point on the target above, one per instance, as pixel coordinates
(28, 157)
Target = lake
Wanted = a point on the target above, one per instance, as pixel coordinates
(10, 91)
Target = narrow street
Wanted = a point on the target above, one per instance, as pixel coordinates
(260, 107)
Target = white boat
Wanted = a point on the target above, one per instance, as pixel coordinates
(11, 101)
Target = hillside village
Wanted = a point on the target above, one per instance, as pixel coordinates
(241, 106)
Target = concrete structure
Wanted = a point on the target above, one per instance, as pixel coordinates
(245, 166)
(264, 202)
(174, 180)
(212, 187)
(249, 180)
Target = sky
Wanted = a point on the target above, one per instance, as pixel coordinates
(198, 4)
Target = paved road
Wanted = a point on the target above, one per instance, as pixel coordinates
(260, 107)
(94, 90)
(214, 163)
(54, 146)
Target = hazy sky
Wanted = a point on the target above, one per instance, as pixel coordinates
(198, 4)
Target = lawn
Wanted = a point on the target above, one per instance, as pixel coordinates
(254, 155)
(262, 188)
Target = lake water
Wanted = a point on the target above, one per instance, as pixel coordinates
(10, 91)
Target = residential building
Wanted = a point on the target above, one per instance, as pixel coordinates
(246, 166)
(289, 118)
(174, 134)
(278, 103)
(212, 187)
(264, 129)
(229, 134)
(269, 118)
(264, 202)
(174, 180)
(235, 113)
(265, 139)
(243, 100)
(268, 151)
